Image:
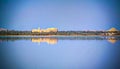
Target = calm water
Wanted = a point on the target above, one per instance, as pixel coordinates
(59, 53)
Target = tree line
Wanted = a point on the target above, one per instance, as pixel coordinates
(12, 32)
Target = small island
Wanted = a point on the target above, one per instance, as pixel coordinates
(56, 32)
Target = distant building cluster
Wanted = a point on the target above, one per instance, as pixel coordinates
(45, 30)
(112, 29)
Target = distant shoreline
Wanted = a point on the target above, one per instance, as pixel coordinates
(60, 33)
(53, 35)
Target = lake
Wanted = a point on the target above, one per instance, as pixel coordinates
(60, 52)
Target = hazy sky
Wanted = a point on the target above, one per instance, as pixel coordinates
(62, 14)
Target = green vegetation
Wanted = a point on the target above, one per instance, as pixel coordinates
(66, 33)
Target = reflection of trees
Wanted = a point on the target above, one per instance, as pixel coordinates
(13, 38)
(53, 40)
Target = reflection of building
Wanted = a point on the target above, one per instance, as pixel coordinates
(45, 30)
(112, 40)
(48, 40)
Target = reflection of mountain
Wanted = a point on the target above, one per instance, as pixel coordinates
(47, 40)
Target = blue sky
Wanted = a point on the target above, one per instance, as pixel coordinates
(62, 14)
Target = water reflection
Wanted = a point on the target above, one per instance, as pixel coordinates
(47, 40)
(112, 40)
(54, 40)
(67, 52)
